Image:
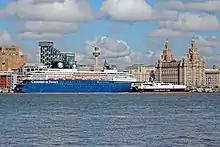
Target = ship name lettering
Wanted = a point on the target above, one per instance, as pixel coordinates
(53, 82)
(39, 82)
(44, 82)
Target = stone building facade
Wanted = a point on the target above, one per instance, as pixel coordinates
(10, 58)
(141, 72)
(188, 71)
(212, 76)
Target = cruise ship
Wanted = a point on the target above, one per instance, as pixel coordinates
(157, 87)
(58, 80)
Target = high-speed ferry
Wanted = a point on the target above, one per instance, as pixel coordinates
(157, 87)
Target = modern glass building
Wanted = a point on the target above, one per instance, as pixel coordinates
(50, 56)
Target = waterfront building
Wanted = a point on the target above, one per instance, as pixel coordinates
(188, 71)
(167, 68)
(141, 72)
(69, 58)
(46, 53)
(10, 58)
(212, 76)
(49, 54)
(8, 79)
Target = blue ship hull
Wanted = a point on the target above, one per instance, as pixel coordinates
(68, 86)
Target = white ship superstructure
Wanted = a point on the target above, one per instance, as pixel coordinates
(54, 74)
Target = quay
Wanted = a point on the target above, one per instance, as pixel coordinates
(203, 89)
(185, 92)
(6, 90)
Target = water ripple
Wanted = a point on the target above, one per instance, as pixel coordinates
(110, 120)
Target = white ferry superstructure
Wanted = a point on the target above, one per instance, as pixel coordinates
(157, 87)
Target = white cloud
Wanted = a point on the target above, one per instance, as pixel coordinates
(200, 5)
(110, 48)
(39, 36)
(209, 6)
(205, 50)
(171, 5)
(62, 10)
(160, 14)
(192, 22)
(124, 10)
(115, 51)
(164, 32)
(206, 44)
(207, 41)
(45, 18)
(46, 29)
(49, 27)
(6, 39)
(133, 10)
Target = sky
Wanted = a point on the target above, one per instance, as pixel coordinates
(126, 31)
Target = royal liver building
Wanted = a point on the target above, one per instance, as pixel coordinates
(189, 71)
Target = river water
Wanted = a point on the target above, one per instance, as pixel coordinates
(127, 120)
